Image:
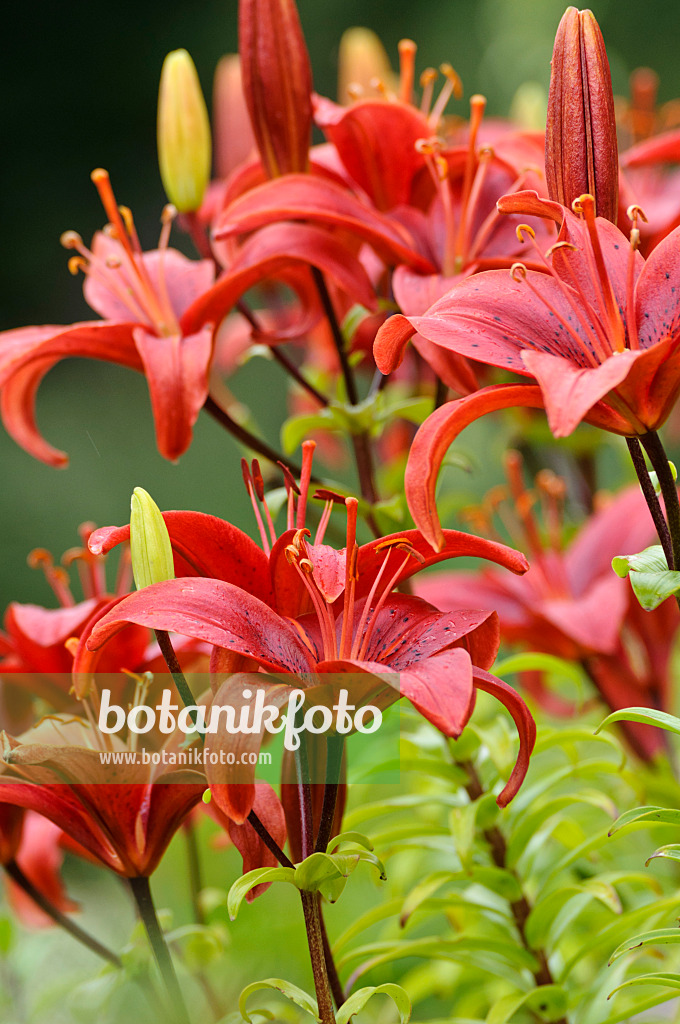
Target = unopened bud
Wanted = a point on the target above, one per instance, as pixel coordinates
(361, 59)
(581, 154)
(184, 146)
(150, 546)
(277, 83)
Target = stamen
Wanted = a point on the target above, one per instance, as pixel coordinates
(407, 65)
(427, 80)
(595, 343)
(552, 489)
(305, 477)
(453, 85)
(366, 625)
(585, 206)
(57, 578)
(351, 576)
(355, 91)
(323, 523)
(292, 489)
(295, 553)
(467, 211)
(124, 231)
(523, 501)
(634, 212)
(439, 172)
(258, 484)
(247, 480)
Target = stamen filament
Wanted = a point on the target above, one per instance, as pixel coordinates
(407, 64)
(351, 555)
(57, 578)
(585, 205)
(427, 80)
(477, 107)
(369, 625)
(305, 478)
(453, 85)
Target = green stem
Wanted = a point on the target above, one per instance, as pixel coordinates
(147, 912)
(171, 660)
(78, 933)
(334, 748)
(194, 866)
(653, 503)
(246, 437)
(520, 908)
(651, 442)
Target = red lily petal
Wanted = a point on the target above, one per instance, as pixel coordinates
(594, 620)
(210, 610)
(663, 148)
(232, 778)
(439, 431)
(203, 545)
(569, 392)
(656, 292)
(307, 197)
(440, 687)
(267, 807)
(407, 630)
(376, 141)
(526, 727)
(27, 355)
(270, 251)
(176, 370)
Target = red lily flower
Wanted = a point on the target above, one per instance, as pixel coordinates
(335, 613)
(127, 824)
(598, 333)
(141, 297)
(571, 605)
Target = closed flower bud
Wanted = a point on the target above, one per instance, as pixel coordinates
(581, 154)
(277, 83)
(361, 61)
(150, 546)
(184, 146)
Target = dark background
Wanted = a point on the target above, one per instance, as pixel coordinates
(78, 86)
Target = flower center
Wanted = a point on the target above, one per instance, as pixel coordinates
(125, 274)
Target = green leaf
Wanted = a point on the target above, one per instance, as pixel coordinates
(290, 991)
(533, 661)
(350, 837)
(658, 978)
(358, 1000)
(647, 716)
(296, 428)
(352, 321)
(650, 577)
(653, 815)
(672, 852)
(245, 883)
(660, 936)
(549, 1002)
(655, 479)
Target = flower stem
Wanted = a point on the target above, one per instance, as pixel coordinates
(147, 912)
(24, 883)
(269, 840)
(651, 442)
(520, 908)
(334, 749)
(170, 658)
(650, 497)
(324, 998)
(246, 437)
(194, 866)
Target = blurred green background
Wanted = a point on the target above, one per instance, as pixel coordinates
(79, 85)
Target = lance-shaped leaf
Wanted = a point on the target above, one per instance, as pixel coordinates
(650, 577)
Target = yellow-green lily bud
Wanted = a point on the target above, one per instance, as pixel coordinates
(184, 143)
(149, 541)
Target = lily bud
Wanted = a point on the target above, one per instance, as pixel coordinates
(277, 83)
(361, 60)
(581, 154)
(184, 145)
(150, 546)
